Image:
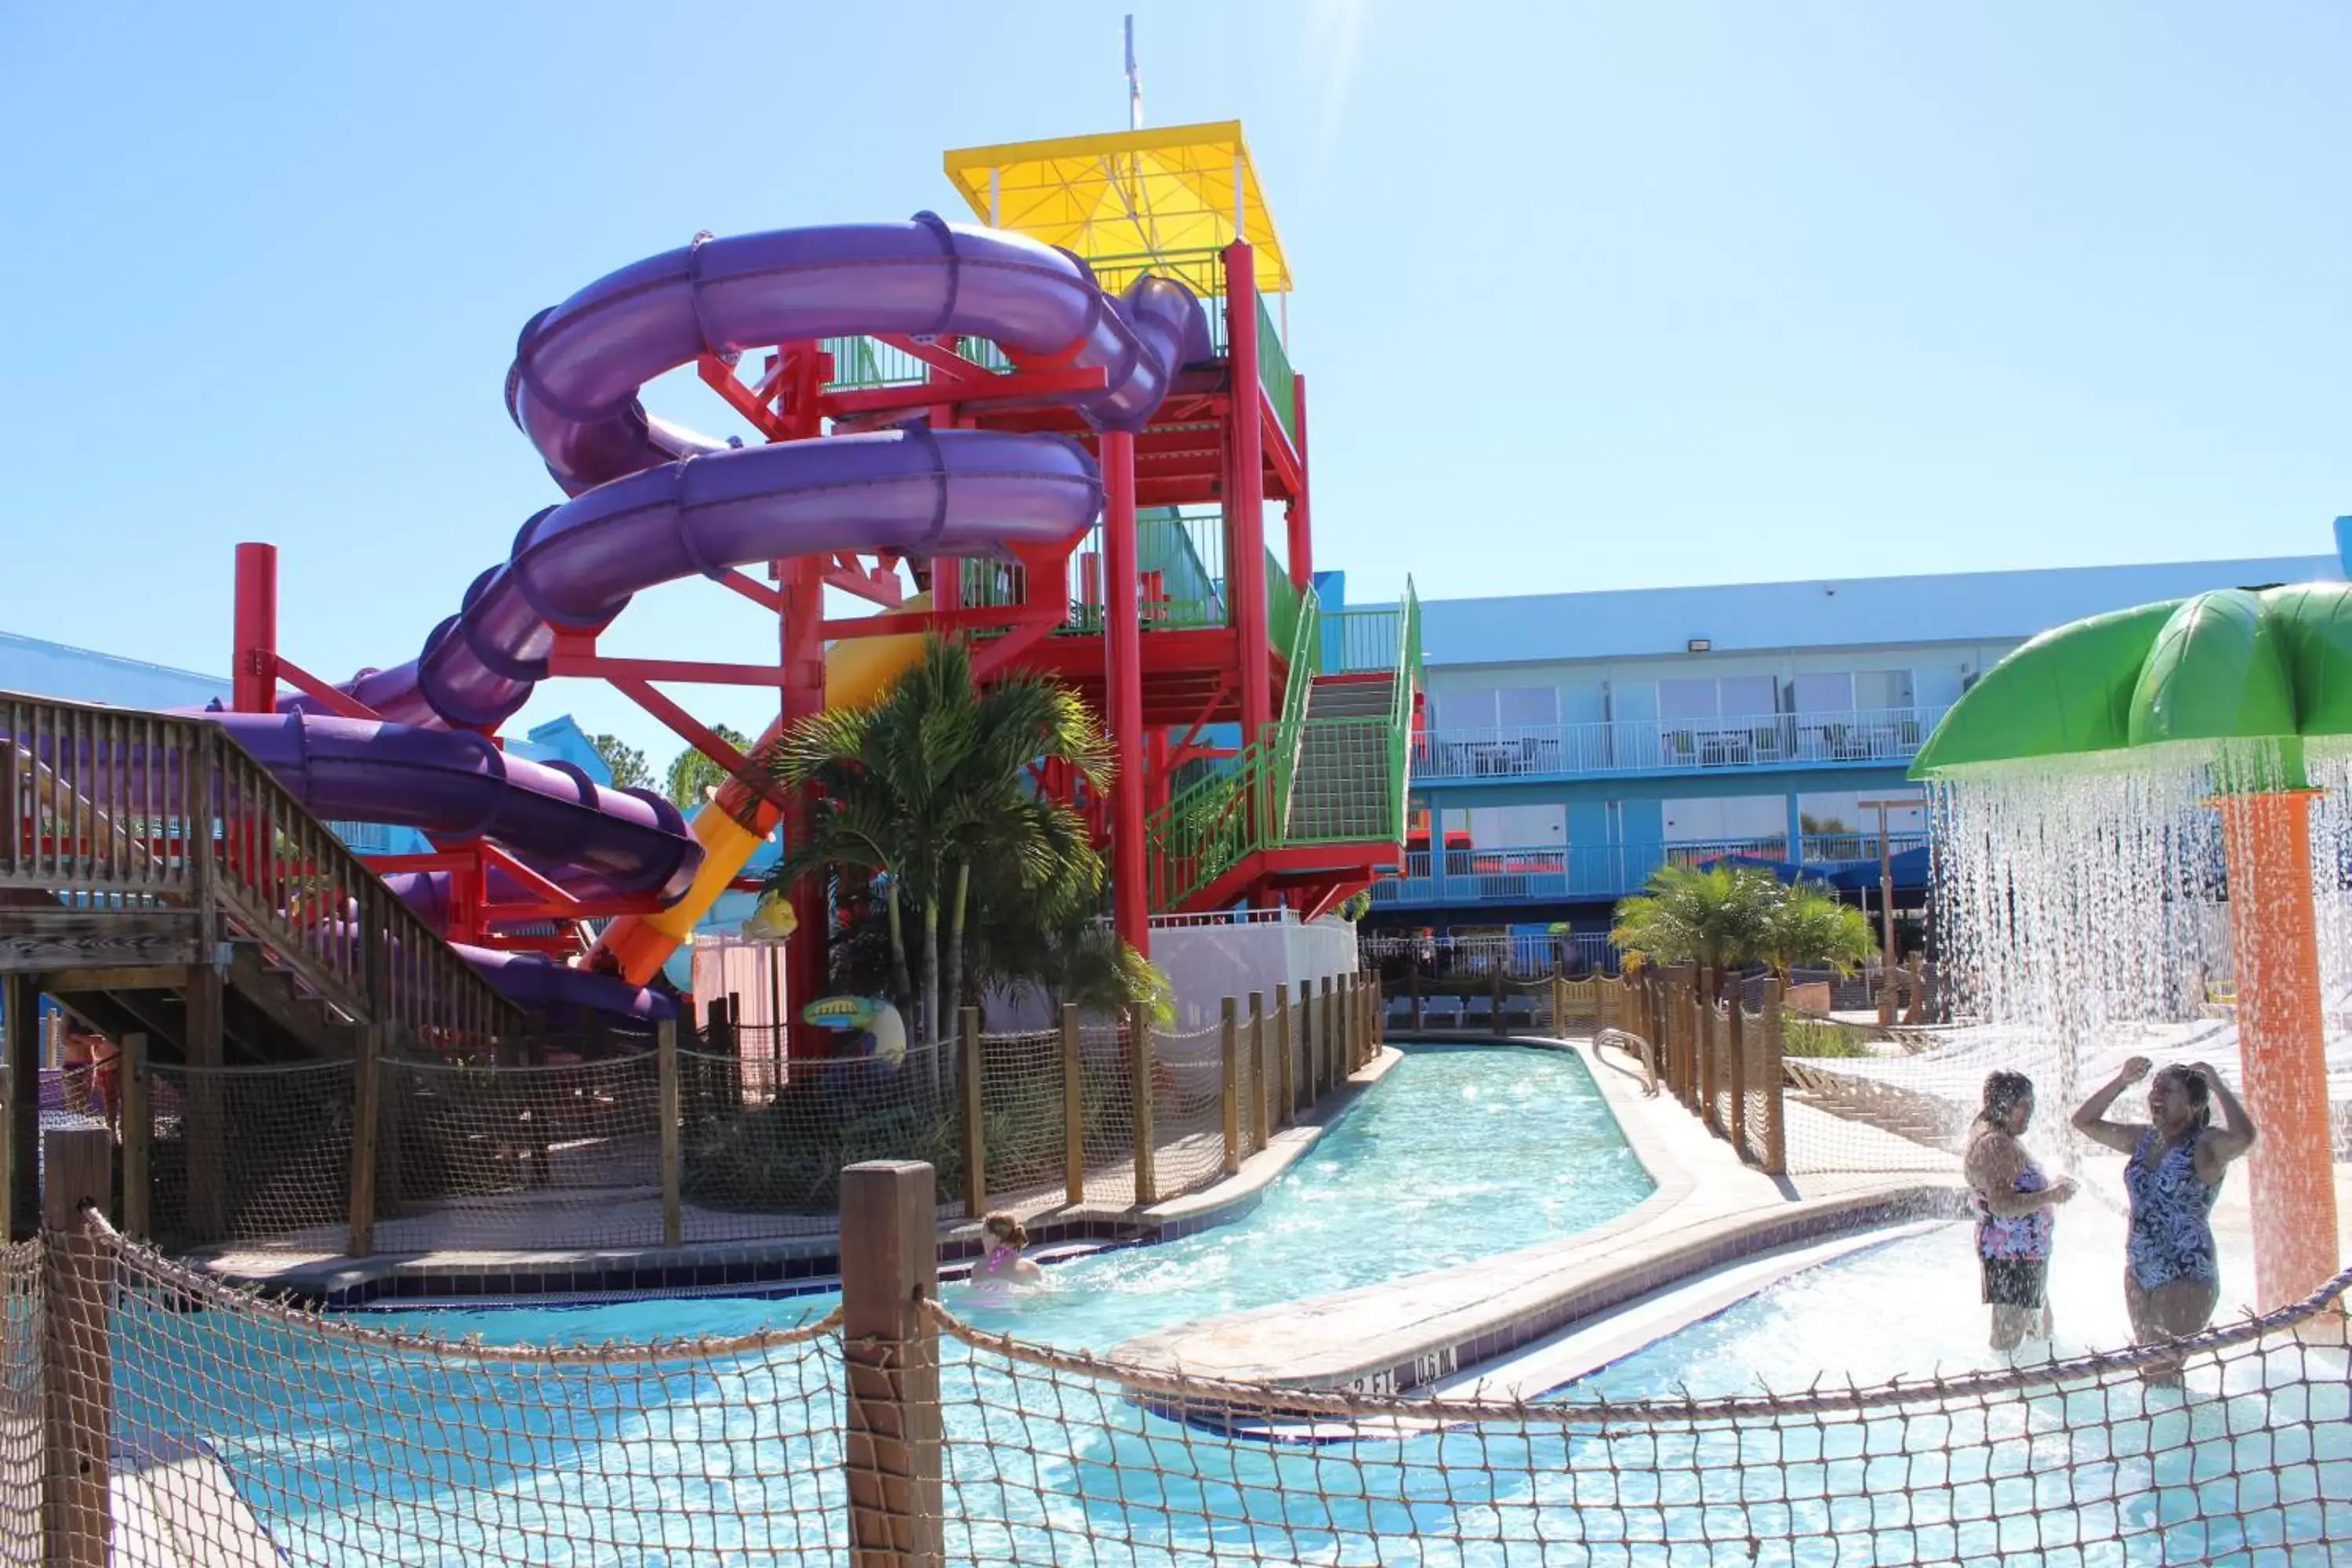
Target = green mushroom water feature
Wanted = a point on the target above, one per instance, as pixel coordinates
(2111, 786)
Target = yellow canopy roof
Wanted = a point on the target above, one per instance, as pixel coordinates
(1127, 194)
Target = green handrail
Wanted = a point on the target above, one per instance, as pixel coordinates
(1274, 371)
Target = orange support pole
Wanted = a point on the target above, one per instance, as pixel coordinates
(2281, 1043)
(1123, 693)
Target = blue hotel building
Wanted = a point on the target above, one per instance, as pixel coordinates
(1577, 741)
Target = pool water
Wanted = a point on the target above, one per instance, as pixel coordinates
(1458, 1154)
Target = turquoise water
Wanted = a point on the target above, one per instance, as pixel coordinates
(363, 1458)
(1458, 1154)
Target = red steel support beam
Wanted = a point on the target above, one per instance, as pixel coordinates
(1123, 693)
(801, 644)
(1246, 492)
(253, 682)
(1302, 527)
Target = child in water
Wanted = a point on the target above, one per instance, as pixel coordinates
(1000, 1264)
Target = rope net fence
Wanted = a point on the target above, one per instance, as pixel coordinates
(244, 1431)
(503, 1154)
(1089, 1460)
(22, 1329)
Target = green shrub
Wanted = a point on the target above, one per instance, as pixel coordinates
(1801, 1037)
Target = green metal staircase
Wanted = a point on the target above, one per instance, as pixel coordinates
(1318, 802)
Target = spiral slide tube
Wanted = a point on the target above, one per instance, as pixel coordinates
(654, 503)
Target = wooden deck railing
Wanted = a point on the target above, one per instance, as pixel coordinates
(114, 812)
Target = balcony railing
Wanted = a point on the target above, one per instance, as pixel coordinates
(1673, 745)
(1558, 873)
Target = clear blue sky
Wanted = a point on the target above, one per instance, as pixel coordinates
(1589, 296)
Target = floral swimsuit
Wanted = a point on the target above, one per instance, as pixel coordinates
(2013, 1236)
(2171, 1232)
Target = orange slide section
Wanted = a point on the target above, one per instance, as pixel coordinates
(856, 670)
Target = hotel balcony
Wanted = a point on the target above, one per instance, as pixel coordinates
(1618, 748)
(1552, 874)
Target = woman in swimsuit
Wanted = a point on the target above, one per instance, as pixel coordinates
(2172, 1280)
(2012, 1200)
(1001, 1237)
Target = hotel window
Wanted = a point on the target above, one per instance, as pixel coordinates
(1880, 688)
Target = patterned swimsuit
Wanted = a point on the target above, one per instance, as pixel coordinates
(2014, 1237)
(2171, 1233)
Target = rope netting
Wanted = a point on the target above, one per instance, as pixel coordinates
(1187, 1113)
(1055, 1456)
(1023, 1116)
(277, 1171)
(516, 1156)
(761, 1157)
(1865, 1099)
(21, 1328)
(245, 1431)
(242, 1430)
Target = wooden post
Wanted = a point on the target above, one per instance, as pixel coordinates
(1073, 1111)
(367, 1092)
(1768, 1066)
(1260, 1133)
(1704, 1028)
(1735, 1064)
(1350, 995)
(207, 1133)
(1327, 1042)
(1229, 1057)
(667, 1107)
(1286, 1096)
(77, 1377)
(138, 1139)
(975, 1126)
(20, 999)
(893, 1451)
(1147, 1168)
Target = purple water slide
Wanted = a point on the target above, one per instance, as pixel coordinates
(655, 503)
(954, 493)
(594, 842)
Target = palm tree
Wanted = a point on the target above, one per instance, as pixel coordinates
(1715, 917)
(1810, 927)
(1725, 918)
(916, 787)
(691, 773)
(1052, 939)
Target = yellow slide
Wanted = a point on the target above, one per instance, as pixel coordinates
(857, 669)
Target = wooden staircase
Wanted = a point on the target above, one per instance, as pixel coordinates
(157, 879)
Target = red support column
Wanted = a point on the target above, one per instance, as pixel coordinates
(802, 638)
(1245, 491)
(1302, 531)
(253, 679)
(1123, 693)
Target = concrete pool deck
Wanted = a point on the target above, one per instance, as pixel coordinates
(1710, 1209)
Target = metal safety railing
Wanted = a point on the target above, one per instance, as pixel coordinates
(1673, 745)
